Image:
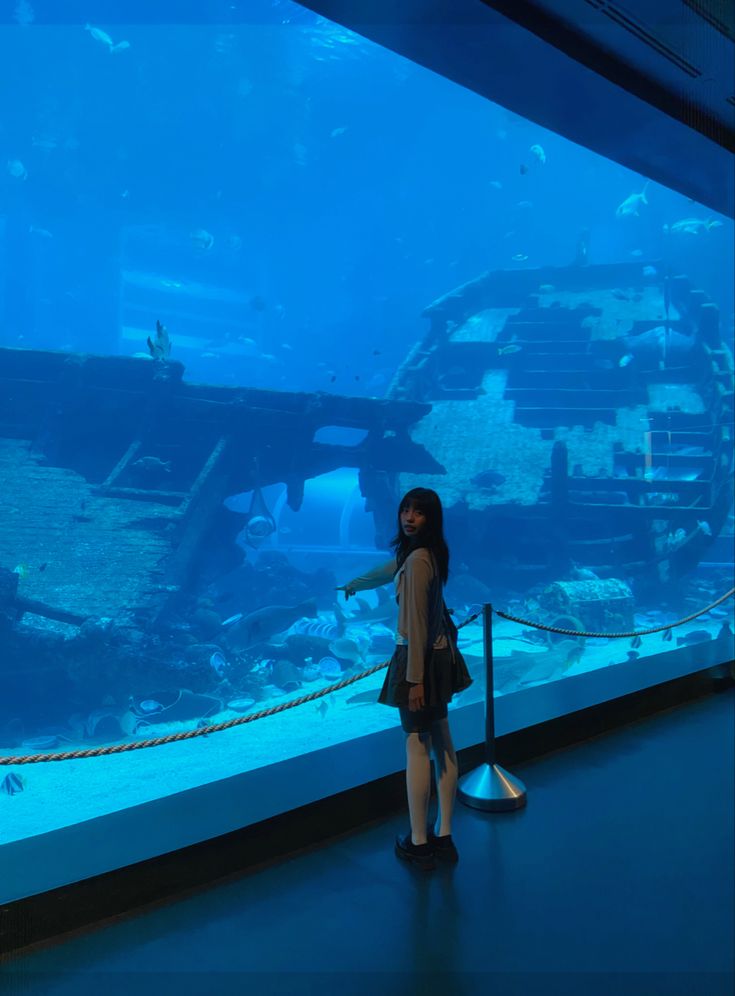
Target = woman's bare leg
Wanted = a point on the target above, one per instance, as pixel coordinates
(445, 759)
(418, 783)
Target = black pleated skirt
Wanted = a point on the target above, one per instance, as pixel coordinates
(445, 672)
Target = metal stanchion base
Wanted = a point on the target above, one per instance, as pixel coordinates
(490, 787)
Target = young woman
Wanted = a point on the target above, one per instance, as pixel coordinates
(425, 670)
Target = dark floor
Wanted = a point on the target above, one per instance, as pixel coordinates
(618, 877)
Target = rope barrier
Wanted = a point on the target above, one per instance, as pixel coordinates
(616, 636)
(205, 731)
(190, 734)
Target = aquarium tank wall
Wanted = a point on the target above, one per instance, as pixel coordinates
(261, 276)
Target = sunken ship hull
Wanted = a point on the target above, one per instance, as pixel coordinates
(584, 418)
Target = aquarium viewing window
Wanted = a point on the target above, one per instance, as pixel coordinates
(261, 277)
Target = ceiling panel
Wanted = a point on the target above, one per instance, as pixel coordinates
(649, 85)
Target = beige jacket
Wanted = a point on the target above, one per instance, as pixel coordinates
(413, 585)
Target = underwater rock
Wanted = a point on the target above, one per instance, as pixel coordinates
(207, 622)
(202, 653)
(243, 704)
(104, 723)
(285, 675)
(330, 668)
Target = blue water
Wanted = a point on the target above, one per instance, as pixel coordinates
(286, 198)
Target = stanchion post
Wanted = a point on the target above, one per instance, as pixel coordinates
(490, 787)
(487, 640)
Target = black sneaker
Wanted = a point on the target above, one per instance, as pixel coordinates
(443, 847)
(420, 855)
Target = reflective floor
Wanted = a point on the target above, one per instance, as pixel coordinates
(617, 877)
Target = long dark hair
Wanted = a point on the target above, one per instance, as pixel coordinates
(431, 536)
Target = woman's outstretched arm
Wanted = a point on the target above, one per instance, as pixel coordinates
(380, 575)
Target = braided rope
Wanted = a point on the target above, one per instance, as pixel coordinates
(320, 693)
(616, 636)
(190, 734)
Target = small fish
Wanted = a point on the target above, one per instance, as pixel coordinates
(637, 253)
(99, 35)
(42, 233)
(202, 239)
(625, 360)
(45, 143)
(523, 169)
(160, 347)
(636, 642)
(538, 153)
(620, 295)
(582, 249)
(496, 184)
(704, 527)
(104, 39)
(509, 349)
(695, 226)
(232, 620)
(16, 169)
(633, 655)
(524, 205)
(632, 203)
(12, 784)
(649, 271)
(322, 707)
(520, 257)
(258, 303)
(488, 479)
(546, 288)
(666, 636)
(336, 132)
(22, 570)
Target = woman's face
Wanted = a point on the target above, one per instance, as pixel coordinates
(413, 520)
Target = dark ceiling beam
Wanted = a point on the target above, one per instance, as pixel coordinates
(572, 41)
(508, 62)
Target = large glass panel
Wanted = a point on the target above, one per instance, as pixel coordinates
(258, 280)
